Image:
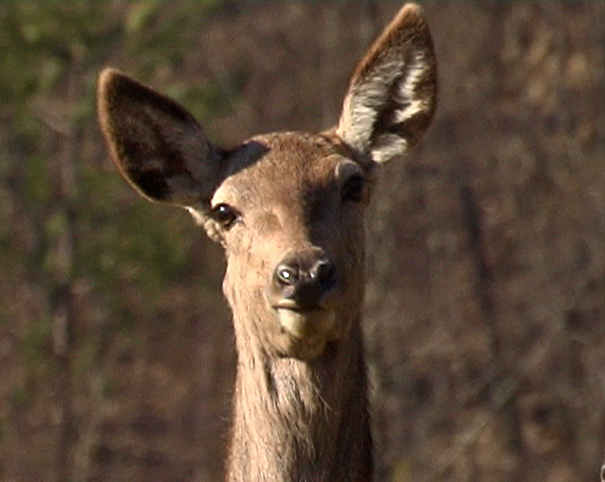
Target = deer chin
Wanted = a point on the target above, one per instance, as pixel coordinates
(306, 324)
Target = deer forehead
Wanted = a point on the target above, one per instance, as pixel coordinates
(286, 172)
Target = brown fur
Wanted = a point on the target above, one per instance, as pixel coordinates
(297, 201)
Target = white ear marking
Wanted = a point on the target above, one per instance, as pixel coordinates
(198, 217)
(392, 94)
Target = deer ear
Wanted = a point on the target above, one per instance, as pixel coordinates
(393, 91)
(155, 143)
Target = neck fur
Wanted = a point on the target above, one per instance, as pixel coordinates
(302, 420)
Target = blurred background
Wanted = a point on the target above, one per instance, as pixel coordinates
(485, 315)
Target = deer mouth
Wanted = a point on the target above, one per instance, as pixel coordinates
(305, 323)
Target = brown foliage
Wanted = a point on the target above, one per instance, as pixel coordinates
(485, 309)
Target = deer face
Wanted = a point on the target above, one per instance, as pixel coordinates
(290, 216)
(288, 207)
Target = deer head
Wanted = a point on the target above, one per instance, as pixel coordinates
(287, 207)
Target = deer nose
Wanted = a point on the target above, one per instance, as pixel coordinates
(289, 274)
(304, 278)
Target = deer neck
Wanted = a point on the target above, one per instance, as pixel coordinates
(302, 420)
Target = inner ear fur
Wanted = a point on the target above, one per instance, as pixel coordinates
(392, 93)
(156, 144)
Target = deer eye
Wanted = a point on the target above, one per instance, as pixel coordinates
(224, 215)
(353, 189)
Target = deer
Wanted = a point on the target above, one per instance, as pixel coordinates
(288, 208)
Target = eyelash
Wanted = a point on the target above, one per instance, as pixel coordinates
(225, 215)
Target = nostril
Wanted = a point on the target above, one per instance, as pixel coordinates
(287, 274)
(323, 271)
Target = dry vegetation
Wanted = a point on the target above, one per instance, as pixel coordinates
(486, 300)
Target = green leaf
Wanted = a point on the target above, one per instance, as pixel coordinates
(37, 181)
(140, 14)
